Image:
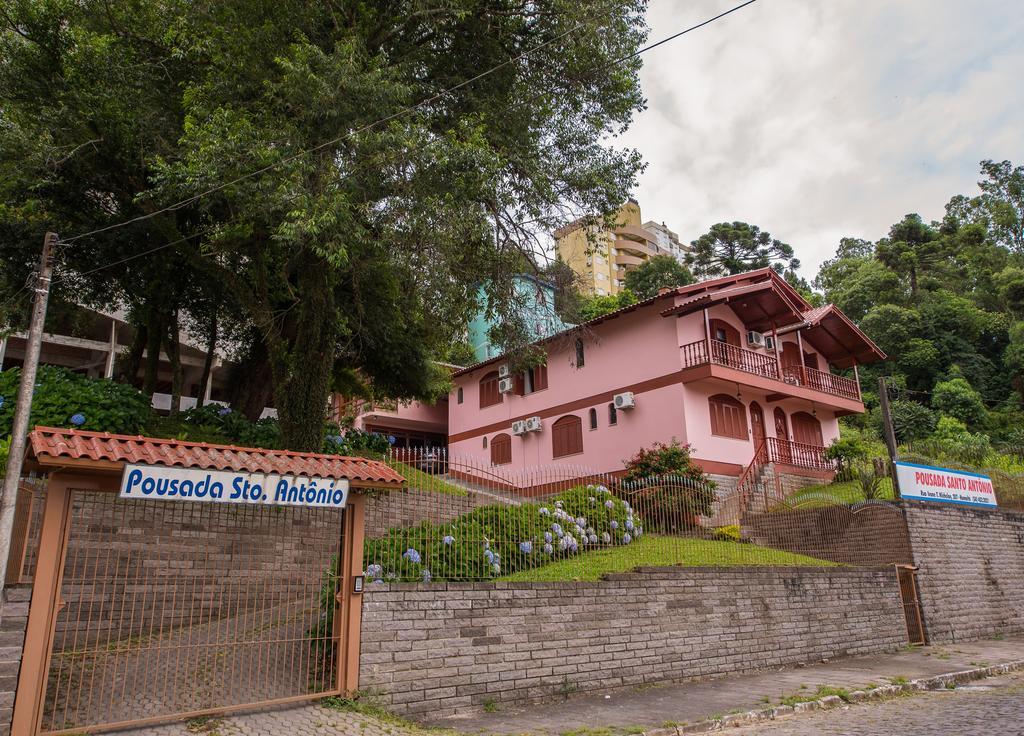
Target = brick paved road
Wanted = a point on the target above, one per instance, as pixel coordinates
(994, 706)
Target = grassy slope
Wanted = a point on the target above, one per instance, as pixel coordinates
(658, 551)
(426, 482)
(844, 492)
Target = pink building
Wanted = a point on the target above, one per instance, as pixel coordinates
(736, 366)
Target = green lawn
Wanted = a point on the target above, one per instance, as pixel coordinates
(658, 551)
(426, 482)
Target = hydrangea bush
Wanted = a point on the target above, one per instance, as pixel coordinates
(498, 540)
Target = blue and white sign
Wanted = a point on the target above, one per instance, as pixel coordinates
(926, 483)
(224, 486)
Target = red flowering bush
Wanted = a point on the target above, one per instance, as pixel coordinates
(667, 487)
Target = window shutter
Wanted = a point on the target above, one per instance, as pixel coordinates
(728, 417)
(501, 449)
(489, 394)
(567, 436)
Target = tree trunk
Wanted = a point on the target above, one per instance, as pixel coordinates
(302, 359)
(211, 346)
(128, 368)
(174, 355)
(153, 340)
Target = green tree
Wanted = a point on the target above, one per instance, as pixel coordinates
(592, 307)
(656, 273)
(911, 247)
(1002, 201)
(735, 247)
(958, 399)
(359, 245)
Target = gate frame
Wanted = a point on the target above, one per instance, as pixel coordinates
(68, 475)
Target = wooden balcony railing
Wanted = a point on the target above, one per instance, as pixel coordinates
(799, 454)
(751, 361)
(829, 383)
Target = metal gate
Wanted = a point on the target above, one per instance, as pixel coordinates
(171, 610)
(911, 603)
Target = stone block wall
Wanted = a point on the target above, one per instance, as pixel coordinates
(439, 648)
(971, 575)
(13, 619)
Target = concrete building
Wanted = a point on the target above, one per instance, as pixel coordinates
(536, 302)
(668, 240)
(601, 258)
(739, 368)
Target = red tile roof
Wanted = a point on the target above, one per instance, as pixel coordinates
(52, 442)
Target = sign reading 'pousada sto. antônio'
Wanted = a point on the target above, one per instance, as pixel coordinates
(927, 483)
(225, 486)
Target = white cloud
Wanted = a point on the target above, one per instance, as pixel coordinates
(819, 120)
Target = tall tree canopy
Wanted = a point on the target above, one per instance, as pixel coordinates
(735, 247)
(945, 301)
(358, 248)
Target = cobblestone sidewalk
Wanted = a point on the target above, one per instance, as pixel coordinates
(994, 706)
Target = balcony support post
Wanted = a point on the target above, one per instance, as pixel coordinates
(707, 335)
(803, 366)
(778, 357)
(856, 379)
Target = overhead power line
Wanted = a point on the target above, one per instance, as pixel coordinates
(433, 98)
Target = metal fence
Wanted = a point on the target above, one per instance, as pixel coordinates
(464, 519)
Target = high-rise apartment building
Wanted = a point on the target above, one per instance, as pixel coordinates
(602, 258)
(668, 240)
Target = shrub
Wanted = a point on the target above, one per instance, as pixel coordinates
(957, 398)
(66, 399)
(847, 451)
(669, 488)
(952, 440)
(869, 483)
(5, 447)
(500, 539)
(728, 533)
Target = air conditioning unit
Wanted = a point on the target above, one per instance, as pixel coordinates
(756, 339)
(503, 370)
(533, 424)
(625, 400)
(769, 342)
(506, 385)
(519, 427)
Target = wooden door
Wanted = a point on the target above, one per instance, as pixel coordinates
(757, 428)
(782, 435)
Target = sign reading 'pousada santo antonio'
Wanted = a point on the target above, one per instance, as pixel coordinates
(927, 483)
(226, 486)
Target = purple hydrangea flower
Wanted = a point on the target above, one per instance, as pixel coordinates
(2, 400)
(592, 500)
(224, 411)
(548, 537)
(629, 524)
(563, 543)
(626, 539)
(78, 419)
(488, 555)
(592, 538)
(426, 575)
(548, 549)
(639, 531)
(412, 555)
(391, 439)
(526, 547)
(614, 525)
(581, 521)
(603, 489)
(606, 537)
(374, 571)
(448, 539)
(378, 580)
(497, 557)
(557, 529)
(496, 568)
(609, 504)
(544, 511)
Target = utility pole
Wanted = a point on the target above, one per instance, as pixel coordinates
(890, 433)
(23, 407)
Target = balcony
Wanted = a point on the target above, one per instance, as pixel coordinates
(797, 454)
(766, 366)
(635, 246)
(626, 260)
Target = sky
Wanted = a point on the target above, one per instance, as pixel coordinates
(819, 119)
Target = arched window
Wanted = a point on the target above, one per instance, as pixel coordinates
(501, 449)
(567, 436)
(728, 417)
(724, 332)
(489, 393)
(593, 418)
(806, 429)
(613, 414)
(580, 356)
(485, 442)
(459, 394)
